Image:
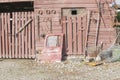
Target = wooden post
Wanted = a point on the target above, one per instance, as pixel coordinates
(79, 35)
(70, 40)
(29, 35)
(3, 36)
(19, 35)
(64, 30)
(22, 33)
(9, 37)
(13, 35)
(0, 37)
(75, 34)
(33, 37)
(26, 39)
(6, 34)
(16, 37)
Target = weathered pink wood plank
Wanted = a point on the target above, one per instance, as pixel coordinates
(70, 40)
(84, 32)
(0, 45)
(33, 36)
(13, 36)
(6, 34)
(65, 1)
(22, 19)
(16, 37)
(0, 37)
(37, 31)
(8, 25)
(65, 33)
(3, 36)
(19, 35)
(75, 35)
(29, 35)
(37, 2)
(68, 5)
(26, 39)
(64, 24)
(79, 36)
(9, 37)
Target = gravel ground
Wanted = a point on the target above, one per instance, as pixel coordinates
(72, 69)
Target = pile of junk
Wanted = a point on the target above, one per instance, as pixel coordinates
(53, 51)
(112, 54)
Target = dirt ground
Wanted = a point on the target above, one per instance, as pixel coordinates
(74, 69)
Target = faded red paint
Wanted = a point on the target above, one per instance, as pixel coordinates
(48, 19)
(13, 45)
(73, 28)
(53, 46)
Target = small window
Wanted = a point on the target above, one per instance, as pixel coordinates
(53, 41)
(74, 12)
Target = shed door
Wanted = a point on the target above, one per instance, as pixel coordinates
(74, 28)
(16, 39)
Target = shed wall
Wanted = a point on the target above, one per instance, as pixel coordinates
(48, 19)
(106, 31)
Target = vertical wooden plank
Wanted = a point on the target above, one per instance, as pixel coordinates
(87, 28)
(29, 43)
(9, 36)
(0, 45)
(19, 34)
(69, 27)
(13, 35)
(75, 35)
(33, 37)
(28, 29)
(30, 36)
(6, 35)
(26, 39)
(3, 36)
(16, 37)
(22, 33)
(64, 25)
(40, 29)
(79, 35)
(7, 24)
(0, 37)
(84, 32)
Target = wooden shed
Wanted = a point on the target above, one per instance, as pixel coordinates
(23, 24)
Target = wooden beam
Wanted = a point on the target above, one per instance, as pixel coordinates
(23, 27)
(118, 23)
